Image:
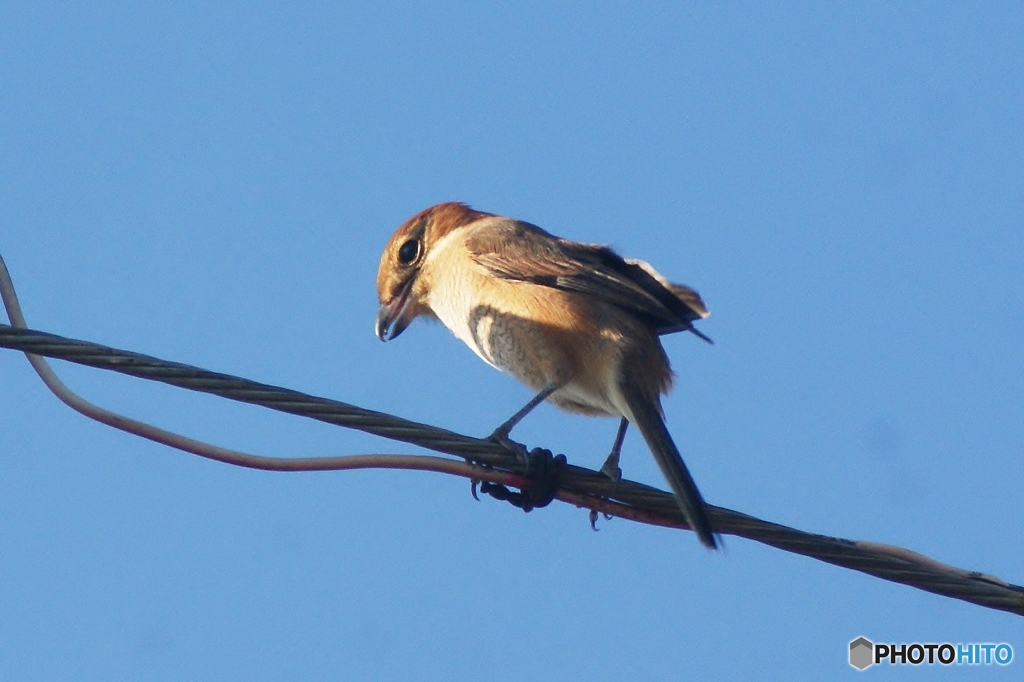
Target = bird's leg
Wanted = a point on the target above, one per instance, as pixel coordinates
(500, 434)
(610, 468)
(543, 471)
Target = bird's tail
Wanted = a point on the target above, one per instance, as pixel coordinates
(646, 416)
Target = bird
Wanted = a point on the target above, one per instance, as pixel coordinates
(576, 322)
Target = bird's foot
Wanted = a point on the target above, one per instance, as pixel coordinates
(611, 469)
(593, 519)
(543, 478)
(500, 436)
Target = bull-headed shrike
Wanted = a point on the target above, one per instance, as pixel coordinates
(576, 322)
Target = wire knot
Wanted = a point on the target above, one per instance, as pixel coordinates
(543, 478)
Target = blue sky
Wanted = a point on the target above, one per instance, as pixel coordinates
(213, 184)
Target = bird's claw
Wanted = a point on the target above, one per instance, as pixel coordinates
(613, 472)
(593, 518)
(500, 436)
(610, 468)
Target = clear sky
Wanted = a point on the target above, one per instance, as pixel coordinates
(212, 183)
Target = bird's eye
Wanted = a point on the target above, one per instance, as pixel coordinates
(408, 252)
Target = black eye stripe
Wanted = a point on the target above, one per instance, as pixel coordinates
(408, 251)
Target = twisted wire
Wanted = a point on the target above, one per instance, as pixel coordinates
(580, 486)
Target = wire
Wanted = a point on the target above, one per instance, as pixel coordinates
(485, 460)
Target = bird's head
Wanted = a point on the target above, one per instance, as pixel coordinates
(400, 288)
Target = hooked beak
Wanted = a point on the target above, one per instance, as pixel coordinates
(396, 314)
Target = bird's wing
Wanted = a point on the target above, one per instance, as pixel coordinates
(524, 252)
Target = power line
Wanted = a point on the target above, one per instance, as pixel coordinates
(485, 461)
(580, 486)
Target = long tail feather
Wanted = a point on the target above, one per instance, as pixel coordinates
(647, 418)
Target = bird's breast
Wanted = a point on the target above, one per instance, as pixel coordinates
(530, 332)
(454, 302)
(490, 321)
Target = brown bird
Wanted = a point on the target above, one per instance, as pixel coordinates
(576, 322)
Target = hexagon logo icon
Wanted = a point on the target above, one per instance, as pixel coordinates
(861, 653)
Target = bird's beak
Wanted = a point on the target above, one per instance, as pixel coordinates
(396, 314)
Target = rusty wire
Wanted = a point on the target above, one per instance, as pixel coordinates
(485, 460)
